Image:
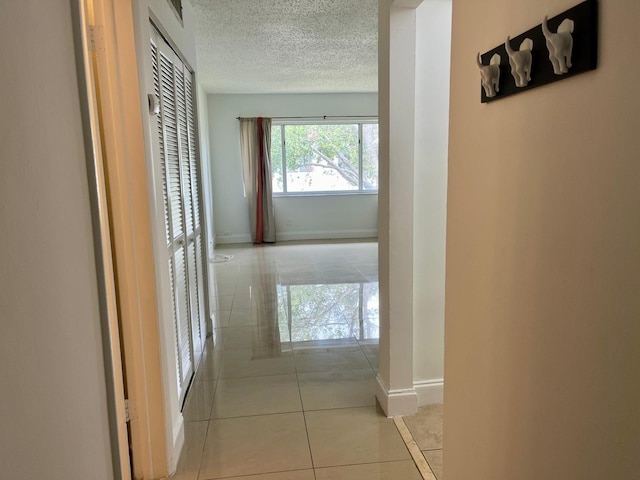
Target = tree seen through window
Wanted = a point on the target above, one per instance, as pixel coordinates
(324, 157)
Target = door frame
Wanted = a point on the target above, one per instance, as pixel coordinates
(111, 347)
(117, 156)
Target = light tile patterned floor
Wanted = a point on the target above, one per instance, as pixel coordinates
(426, 429)
(286, 389)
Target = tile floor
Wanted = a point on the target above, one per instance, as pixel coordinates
(286, 388)
(426, 429)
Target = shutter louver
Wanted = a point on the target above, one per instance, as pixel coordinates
(184, 149)
(184, 329)
(171, 140)
(195, 305)
(162, 159)
(201, 303)
(179, 372)
(193, 158)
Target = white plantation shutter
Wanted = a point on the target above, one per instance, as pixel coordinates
(175, 157)
(179, 373)
(184, 149)
(193, 163)
(181, 295)
(162, 159)
(194, 294)
(195, 247)
(163, 90)
(169, 151)
(201, 285)
(170, 121)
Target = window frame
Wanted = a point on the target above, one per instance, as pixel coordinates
(359, 121)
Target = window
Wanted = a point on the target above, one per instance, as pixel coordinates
(324, 158)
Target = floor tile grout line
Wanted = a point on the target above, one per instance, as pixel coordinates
(258, 474)
(376, 462)
(257, 415)
(204, 444)
(206, 434)
(304, 417)
(421, 462)
(215, 394)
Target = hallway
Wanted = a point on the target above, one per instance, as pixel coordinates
(287, 383)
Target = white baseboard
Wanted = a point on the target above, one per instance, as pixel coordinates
(239, 238)
(325, 235)
(306, 235)
(396, 402)
(429, 391)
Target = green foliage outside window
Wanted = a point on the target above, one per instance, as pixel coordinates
(325, 157)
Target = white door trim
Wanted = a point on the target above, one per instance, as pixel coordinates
(123, 149)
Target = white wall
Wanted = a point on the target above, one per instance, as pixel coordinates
(53, 412)
(542, 334)
(179, 32)
(205, 150)
(397, 105)
(383, 195)
(333, 217)
(207, 194)
(433, 49)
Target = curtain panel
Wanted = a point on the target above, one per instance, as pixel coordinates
(255, 140)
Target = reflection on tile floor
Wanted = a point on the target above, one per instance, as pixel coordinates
(286, 388)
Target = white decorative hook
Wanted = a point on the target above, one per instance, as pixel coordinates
(490, 75)
(560, 45)
(520, 61)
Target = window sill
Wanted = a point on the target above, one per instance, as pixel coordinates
(325, 194)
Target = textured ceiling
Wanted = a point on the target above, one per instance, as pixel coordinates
(287, 46)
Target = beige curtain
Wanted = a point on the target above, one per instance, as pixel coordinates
(255, 139)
